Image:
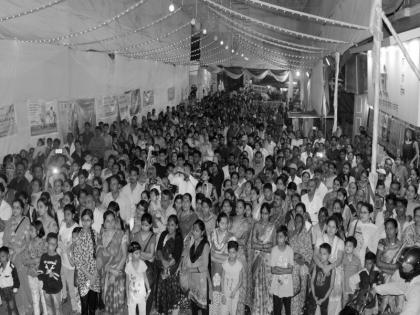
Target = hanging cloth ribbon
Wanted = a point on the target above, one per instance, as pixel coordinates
(337, 70)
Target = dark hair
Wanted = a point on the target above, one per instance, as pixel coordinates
(282, 229)
(147, 217)
(4, 249)
(302, 205)
(107, 213)
(77, 230)
(114, 207)
(39, 227)
(133, 247)
(393, 221)
(326, 246)
(233, 245)
(352, 240)
(144, 204)
(202, 227)
(52, 236)
(207, 201)
(22, 205)
(220, 217)
(370, 256)
(89, 213)
(84, 173)
(402, 200)
(70, 208)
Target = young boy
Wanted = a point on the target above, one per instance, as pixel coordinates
(351, 266)
(9, 281)
(50, 274)
(232, 280)
(364, 281)
(322, 283)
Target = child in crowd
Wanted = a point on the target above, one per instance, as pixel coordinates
(32, 256)
(64, 243)
(363, 282)
(138, 288)
(232, 280)
(49, 273)
(282, 267)
(351, 266)
(9, 281)
(321, 283)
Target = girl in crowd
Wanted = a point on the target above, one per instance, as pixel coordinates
(187, 216)
(46, 216)
(84, 256)
(207, 215)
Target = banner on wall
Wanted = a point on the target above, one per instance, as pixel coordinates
(171, 93)
(123, 101)
(106, 108)
(135, 101)
(8, 125)
(42, 117)
(85, 109)
(148, 98)
(67, 118)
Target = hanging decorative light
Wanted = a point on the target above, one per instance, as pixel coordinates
(171, 7)
(204, 31)
(221, 43)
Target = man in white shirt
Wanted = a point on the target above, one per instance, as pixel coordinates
(132, 191)
(184, 181)
(312, 201)
(118, 197)
(244, 147)
(5, 209)
(269, 144)
(98, 214)
(165, 211)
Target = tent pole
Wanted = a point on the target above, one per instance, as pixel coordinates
(376, 29)
(337, 71)
(401, 45)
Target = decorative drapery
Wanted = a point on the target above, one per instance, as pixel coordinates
(280, 75)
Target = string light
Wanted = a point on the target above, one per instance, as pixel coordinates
(171, 7)
(275, 27)
(30, 11)
(221, 43)
(314, 18)
(250, 32)
(130, 32)
(88, 30)
(164, 50)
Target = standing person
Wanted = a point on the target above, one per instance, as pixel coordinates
(5, 209)
(336, 260)
(281, 261)
(410, 149)
(49, 272)
(15, 237)
(9, 281)
(262, 240)
(187, 216)
(218, 255)
(147, 240)
(351, 266)
(32, 256)
(45, 215)
(84, 256)
(232, 281)
(64, 243)
(195, 266)
(322, 282)
(207, 216)
(137, 285)
(168, 256)
(111, 256)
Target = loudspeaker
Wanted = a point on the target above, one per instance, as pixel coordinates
(356, 74)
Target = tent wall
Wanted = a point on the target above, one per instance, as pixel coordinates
(58, 73)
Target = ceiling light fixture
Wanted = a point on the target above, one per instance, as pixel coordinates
(297, 73)
(204, 31)
(171, 7)
(221, 42)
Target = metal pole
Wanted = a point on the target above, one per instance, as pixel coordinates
(376, 29)
(337, 71)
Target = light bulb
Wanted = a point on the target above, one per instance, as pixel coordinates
(242, 55)
(297, 73)
(204, 31)
(233, 51)
(171, 7)
(221, 42)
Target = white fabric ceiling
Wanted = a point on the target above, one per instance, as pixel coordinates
(68, 18)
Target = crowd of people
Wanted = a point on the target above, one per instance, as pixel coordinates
(215, 208)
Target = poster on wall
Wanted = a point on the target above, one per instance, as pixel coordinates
(85, 109)
(123, 102)
(106, 108)
(148, 98)
(8, 125)
(67, 118)
(42, 117)
(171, 93)
(135, 101)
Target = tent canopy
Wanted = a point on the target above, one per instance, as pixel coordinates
(261, 34)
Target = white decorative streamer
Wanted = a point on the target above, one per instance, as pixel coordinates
(30, 11)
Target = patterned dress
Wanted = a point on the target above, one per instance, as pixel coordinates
(83, 250)
(111, 262)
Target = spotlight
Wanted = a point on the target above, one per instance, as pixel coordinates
(171, 7)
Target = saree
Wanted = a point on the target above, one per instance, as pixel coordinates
(241, 229)
(261, 275)
(110, 258)
(14, 237)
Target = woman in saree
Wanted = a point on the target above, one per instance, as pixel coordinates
(187, 216)
(241, 229)
(16, 237)
(388, 251)
(147, 240)
(300, 241)
(262, 240)
(111, 257)
(195, 269)
(336, 260)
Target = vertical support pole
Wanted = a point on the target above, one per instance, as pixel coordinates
(337, 71)
(376, 29)
(290, 86)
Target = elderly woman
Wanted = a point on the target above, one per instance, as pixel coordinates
(300, 241)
